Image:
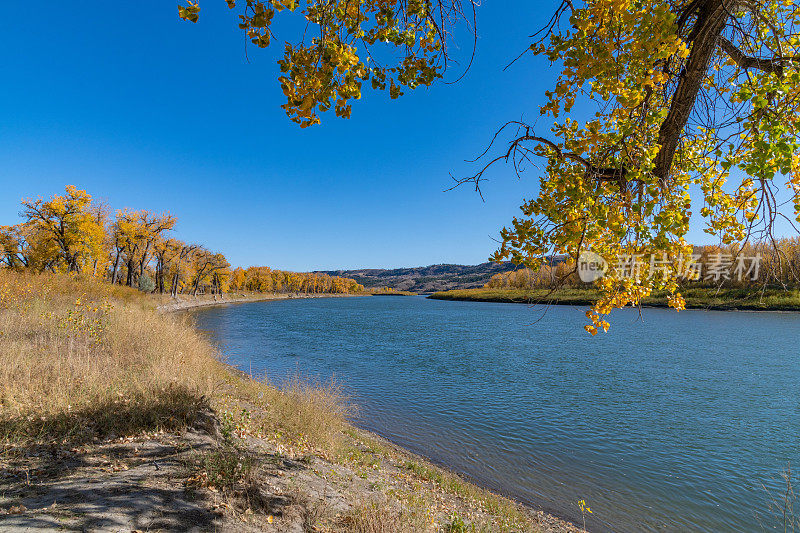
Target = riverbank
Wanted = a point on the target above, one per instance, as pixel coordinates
(699, 298)
(184, 302)
(132, 422)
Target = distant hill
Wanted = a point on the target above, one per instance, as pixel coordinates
(426, 279)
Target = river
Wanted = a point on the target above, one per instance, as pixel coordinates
(668, 422)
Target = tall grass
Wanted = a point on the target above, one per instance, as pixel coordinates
(382, 517)
(82, 359)
(300, 412)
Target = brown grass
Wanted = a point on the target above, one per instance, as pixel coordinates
(80, 359)
(301, 413)
(385, 517)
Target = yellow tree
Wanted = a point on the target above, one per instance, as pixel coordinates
(208, 268)
(327, 71)
(136, 234)
(180, 264)
(170, 256)
(686, 92)
(69, 225)
(278, 280)
(14, 246)
(102, 248)
(696, 110)
(27, 246)
(238, 278)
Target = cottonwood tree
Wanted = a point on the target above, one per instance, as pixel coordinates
(27, 246)
(696, 108)
(208, 268)
(68, 229)
(180, 264)
(14, 246)
(136, 234)
(391, 45)
(265, 279)
(166, 252)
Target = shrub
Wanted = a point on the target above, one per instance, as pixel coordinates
(146, 283)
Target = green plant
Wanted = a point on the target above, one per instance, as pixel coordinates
(146, 283)
(226, 467)
(457, 525)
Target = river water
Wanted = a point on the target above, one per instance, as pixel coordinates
(669, 422)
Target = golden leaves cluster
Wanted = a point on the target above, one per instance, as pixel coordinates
(391, 44)
(626, 57)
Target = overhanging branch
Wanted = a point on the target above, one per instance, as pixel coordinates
(773, 64)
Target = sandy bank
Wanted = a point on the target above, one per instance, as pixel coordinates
(184, 302)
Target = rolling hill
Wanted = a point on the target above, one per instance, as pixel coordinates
(426, 279)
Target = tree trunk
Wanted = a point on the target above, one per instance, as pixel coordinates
(114, 270)
(129, 281)
(160, 274)
(174, 288)
(711, 18)
(143, 262)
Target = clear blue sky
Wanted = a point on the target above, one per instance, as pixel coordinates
(144, 110)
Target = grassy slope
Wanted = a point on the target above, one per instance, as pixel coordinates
(84, 363)
(699, 298)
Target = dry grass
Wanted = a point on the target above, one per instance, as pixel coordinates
(302, 414)
(80, 359)
(385, 517)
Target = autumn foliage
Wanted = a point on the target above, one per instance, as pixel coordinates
(388, 45)
(73, 233)
(685, 107)
(265, 279)
(778, 268)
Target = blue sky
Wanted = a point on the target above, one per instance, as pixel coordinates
(146, 111)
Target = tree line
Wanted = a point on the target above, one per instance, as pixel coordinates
(774, 264)
(265, 279)
(74, 233)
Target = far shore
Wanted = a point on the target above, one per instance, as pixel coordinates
(696, 298)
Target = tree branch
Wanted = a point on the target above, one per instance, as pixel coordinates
(774, 64)
(710, 23)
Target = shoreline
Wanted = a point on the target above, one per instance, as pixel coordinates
(513, 296)
(185, 303)
(548, 520)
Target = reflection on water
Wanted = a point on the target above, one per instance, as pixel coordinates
(670, 423)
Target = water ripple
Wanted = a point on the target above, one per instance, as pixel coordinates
(667, 424)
